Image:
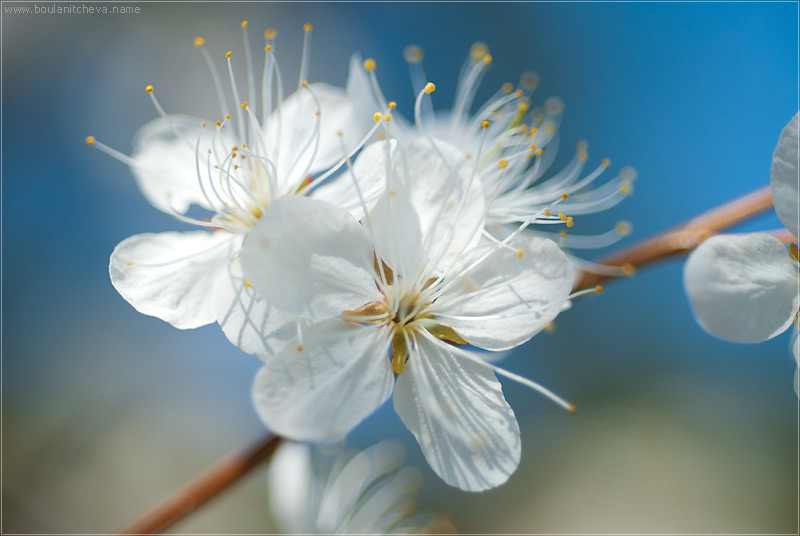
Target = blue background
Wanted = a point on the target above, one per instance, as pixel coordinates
(105, 411)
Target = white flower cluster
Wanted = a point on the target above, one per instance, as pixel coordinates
(747, 288)
(361, 255)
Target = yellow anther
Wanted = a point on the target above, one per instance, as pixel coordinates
(570, 222)
(502, 163)
(149, 89)
(89, 140)
(487, 58)
(478, 51)
(242, 156)
(533, 130)
(485, 124)
(547, 212)
(369, 65)
(219, 123)
(582, 157)
(244, 24)
(270, 33)
(529, 80)
(392, 105)
(562, 233)
(307, 27)
(339, 133)
(430, 87)
(562, 216)
(523, 128)
(203, 124)
(244, 146)
(598, 288)
(605, 162)
(244, 105)
(564, 195)
(539, 152)
(248, 284)
(625, 189)
(581, 146)
(234, 149)
(622, 228)
(572, 408)
(628, 269)
(388, 117)
(268, 48)
(508, 87)
(233, 155)
(377, 116)
(413, 54)
(518, 93)
(236, 166)
(533, 148)
(304, 83)
(228, 54)
(529, 154)
(199, 41)
(227, 116)
(519, 253)
(523, 106)
(299, 347)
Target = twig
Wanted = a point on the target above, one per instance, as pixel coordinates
(224, 473)
(685, 237)
(679, 240)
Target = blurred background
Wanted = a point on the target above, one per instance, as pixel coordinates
(106, 411)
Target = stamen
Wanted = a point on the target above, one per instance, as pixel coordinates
(199, 42)
(251, 82)
(306, 53)
(113, 153)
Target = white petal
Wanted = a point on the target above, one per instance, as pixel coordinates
(324, 389)
(165, 164)
(310, 258)
(173, 276)
(290, 481)
(785, 176)
(742, 288)
(249, 321)
(478, 447)
(293, 129)
(507, 299)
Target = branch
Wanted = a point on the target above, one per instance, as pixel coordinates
(224, 473)
(238, 463)
(686, 236)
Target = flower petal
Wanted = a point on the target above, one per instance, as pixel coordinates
(165, 162)
(785, 176)
(291, 484)
(507, 299)
(249, 321)
(310, 258)
(456, 410)
(742, 288)
(324, 388)
(173, 276)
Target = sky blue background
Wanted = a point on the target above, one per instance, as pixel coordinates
(104, 406)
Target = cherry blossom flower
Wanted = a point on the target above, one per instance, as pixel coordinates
(325, 489)
(261, 149)
(519, 143)
(747, 288)
(397, 298)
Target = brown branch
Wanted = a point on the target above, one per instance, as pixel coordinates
(224, 473)
(685, 237)
(240, 462)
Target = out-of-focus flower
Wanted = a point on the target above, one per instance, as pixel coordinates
(396, 296)
(233, 169)
(747, 288)
(515, 145)
(328, 490)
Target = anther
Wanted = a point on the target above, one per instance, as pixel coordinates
(582, 157)
(219, 123)
(203, 124)
(523, 106)
(377, 116)
(570, 222)
(388, 118)
(624, 189)
(622, 228)
(547, 212)
(128, 262)
(244, 146)
(487, 59)
(533, 130)
(369, 65)
(518, 93)
(562, 216)
(508, 87)
(89, 140)
(413, 54)
(149, 89)
(304, 83)
(228, 54)
(519, 253)
(485, 124)
(270, 33)
(244, 105)
(605, 162)
(339, 133)
(533, 148)
(539, 152)
(299, 347)
(392, 105)
(529, 80)
(598, 288)
(244, 24)
(502, 163)
(430, 87)
(268, 48)
(307, 27)
(227, 116)
(479, 51)
(248, 284)
(564, 195)
(199, 41)
(628, 269)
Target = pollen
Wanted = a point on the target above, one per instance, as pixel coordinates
(570, 222)
(199, 41)
(562, 216)
(564, 195)
(605, 162)
(533, 148)
(268, 48)
(244, 146)
(244, 105)
(502, 163)
(519, 253)
(228, 54)
(370, 65)
(270, 33)
(392, 105)
(547, 212)
(219, 123)
(508, 87)
(307, 27)
(377, 116)
(485, 124)
(227, 116)
(89, 140)
(598, 289)
(430, 87)
(299, 347)
(149, 89)
(244, 24)
(487, 59)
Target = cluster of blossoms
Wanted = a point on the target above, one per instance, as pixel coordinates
(362, 255)
(747, 288)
